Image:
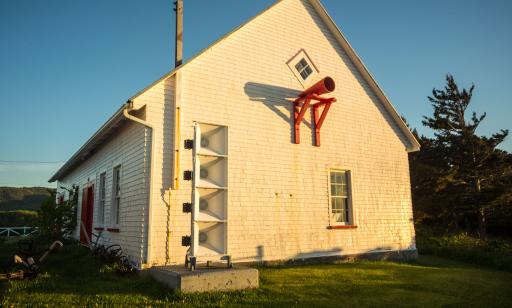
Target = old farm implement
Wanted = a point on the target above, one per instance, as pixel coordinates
(111, 254)
(29, 262)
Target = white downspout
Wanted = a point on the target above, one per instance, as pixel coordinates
(126, 110)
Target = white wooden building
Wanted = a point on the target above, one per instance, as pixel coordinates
(225, 120)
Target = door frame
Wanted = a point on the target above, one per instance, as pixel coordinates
(87, 214)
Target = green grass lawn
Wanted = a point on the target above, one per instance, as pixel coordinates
(72, 277)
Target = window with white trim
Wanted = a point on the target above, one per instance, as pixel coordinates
(116, 196)
(339, 197)
(102, 198)
(303, 68)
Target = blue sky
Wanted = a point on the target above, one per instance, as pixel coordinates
(66, 66)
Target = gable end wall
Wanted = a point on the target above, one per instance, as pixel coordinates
(278, 192)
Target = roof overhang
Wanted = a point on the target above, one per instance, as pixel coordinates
(413, 145)
(90, 147)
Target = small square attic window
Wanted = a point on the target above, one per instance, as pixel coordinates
(303, 68)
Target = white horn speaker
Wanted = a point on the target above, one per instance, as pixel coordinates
(211, 171)
(211, 204)
(210, 191)
(213, 140)
(211, 239)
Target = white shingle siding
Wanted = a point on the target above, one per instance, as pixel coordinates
(130, 148)
(159, 102)
(278, 191)
(279, 207)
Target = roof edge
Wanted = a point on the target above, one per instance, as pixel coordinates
(414, 145)
(77, 157)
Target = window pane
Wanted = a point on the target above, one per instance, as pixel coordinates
(102, 186)
(343, 190)
(339, 177)
(337, 205)
(339, 185)
(101, 207)
(338, 215)
(308, 70)
(340, 203)
(337, 190)
(117, 186)
(116, 193)
(336, 177)
(303, 68)
(304, 74)
(117, 210)
(301, 64)
(101, 211)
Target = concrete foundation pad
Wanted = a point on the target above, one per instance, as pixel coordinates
(206, 279)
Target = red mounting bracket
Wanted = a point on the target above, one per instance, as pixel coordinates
(313, 94)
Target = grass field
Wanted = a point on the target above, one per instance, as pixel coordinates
(72, 277)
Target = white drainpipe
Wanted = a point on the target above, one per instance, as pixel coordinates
(126, 110)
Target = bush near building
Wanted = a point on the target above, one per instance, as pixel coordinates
(496, 253)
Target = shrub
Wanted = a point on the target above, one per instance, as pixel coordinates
(495, 253)
(58, 220)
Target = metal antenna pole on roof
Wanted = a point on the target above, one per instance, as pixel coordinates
(179, 33)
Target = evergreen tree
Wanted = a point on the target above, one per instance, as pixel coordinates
(469, 168)
(430, 181)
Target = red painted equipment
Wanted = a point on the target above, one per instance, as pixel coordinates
(325, 85)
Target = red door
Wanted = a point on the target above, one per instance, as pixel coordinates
(86, 215)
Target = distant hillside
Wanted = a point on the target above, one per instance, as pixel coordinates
(22, 198)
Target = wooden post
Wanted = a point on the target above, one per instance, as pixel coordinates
(179, 33)
(177, 93)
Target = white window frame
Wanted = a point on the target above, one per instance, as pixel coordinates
(115, 206)
(102, 198)
(348, 197)
(292, 63)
